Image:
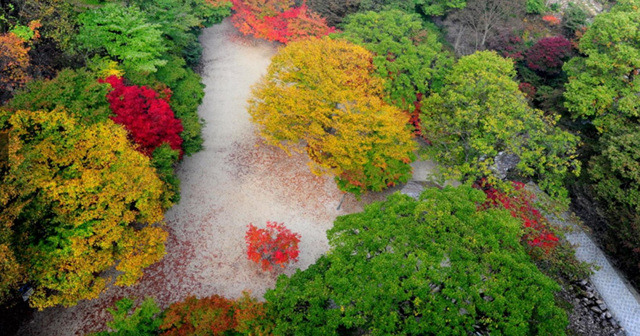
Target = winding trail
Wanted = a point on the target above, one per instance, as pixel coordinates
(234, 181)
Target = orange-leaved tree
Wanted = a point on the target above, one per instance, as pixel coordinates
(215, 315)
(321, 96)
(278, 20)
(14, 60)
(79, 200)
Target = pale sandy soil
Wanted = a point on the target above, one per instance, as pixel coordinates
(234, 181)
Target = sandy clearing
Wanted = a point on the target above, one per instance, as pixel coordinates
(234, 181)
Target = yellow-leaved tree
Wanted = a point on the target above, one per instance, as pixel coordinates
(321, 96)
(78, 200)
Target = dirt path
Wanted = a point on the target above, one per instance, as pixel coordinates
(232, 182)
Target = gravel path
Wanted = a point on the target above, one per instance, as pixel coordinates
(620, 297)
(234, 181)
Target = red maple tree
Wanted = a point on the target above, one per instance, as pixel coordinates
(148, 117)
(278, 20)
(275, 245)
(548, 54)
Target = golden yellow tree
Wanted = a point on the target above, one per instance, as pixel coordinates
(79, 200)
(320, 95)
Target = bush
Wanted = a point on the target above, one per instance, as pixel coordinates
(536, 6)
(548, 55)
(124, 33)
(437, 266)
(275, 245)
(520, 204)
(147, 117)
(510, 46)
(164, 160)
(214, 315)
(574, 18)
(187, 93)
(142, 321)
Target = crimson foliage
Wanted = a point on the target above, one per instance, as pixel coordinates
(548, 54)
(520, 205)
(275, 245)
(148, 118)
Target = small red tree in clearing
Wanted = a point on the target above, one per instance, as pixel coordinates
(548, 54)
(148, 118)
(520, 204)
(277, 20)
(275, 245)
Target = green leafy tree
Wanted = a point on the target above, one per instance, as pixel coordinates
(437, 266)
(334, 10)
(145, 320)
(616, 170)
(180, 22)
(321, 93)
(77, 91)
(536, 6)
(177, 19)
(124, 33)
(603, 84)
(603, 88)
(574, 18)
(407, 53)
(439, 7)
(428, 7)
(214, 11)
(480, 113)
(79, 200)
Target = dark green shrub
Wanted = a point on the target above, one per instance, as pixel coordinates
(164, 160)
(187, 95)
(574, 18)
(536, 7)
(142, 321)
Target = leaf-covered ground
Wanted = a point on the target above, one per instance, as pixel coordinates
(234, 181)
